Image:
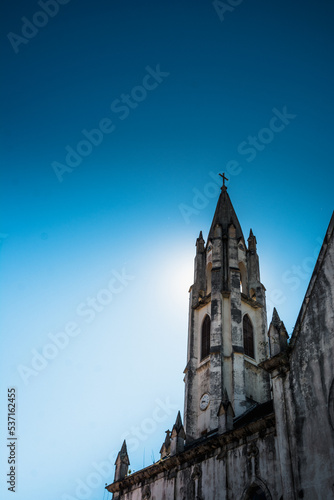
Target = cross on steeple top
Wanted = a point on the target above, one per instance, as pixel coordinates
(224, 179)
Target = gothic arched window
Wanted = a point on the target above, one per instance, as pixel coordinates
(255, 493)
(248, 336)
(205, 337)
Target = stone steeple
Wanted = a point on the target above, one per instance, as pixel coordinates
(165, 448)
(122, 463)
(178, 436)
(278, 336)
(227, 326)
(225, 215)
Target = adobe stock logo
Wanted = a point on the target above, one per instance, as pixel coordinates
(30, 28)
(222, 7)
(250, 148)
(121, 108)
(88, 309)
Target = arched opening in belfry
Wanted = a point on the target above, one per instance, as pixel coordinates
(248, 334)
(205, 337)
(243, 278)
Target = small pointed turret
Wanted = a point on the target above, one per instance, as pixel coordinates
(165, 448)
(276, 320)
(122, 463)
(178, 422)
(199, 274)
(178, 436)
(255, 287)
(200, 243)
(278, 336)
(225, 414)
(251, 241)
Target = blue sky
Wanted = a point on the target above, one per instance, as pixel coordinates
(116, 119)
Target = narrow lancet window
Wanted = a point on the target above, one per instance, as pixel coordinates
(205, 337)
(248, 336)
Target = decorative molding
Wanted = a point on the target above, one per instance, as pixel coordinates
(253, 303)
(198, 450)
(279, 363)
(202, 301)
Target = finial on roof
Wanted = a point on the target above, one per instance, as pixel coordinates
(167, 439)
(178, 436)
(251, 241)
(224, 179)
(200, 243)
(122, 463)
(178, 422)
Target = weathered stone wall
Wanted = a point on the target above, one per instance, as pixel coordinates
(308, 384)
(225, 473)
(285, 455)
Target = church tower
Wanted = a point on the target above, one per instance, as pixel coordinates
(227, 338)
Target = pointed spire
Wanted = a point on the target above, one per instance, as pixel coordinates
(123, 455)
(178, 422)
(124, 450)
(225, 215)
(178, 429)
(251, 241)
(200, 243)
(178, 436)
(122, 463)
(278, 336)
(276, 320)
